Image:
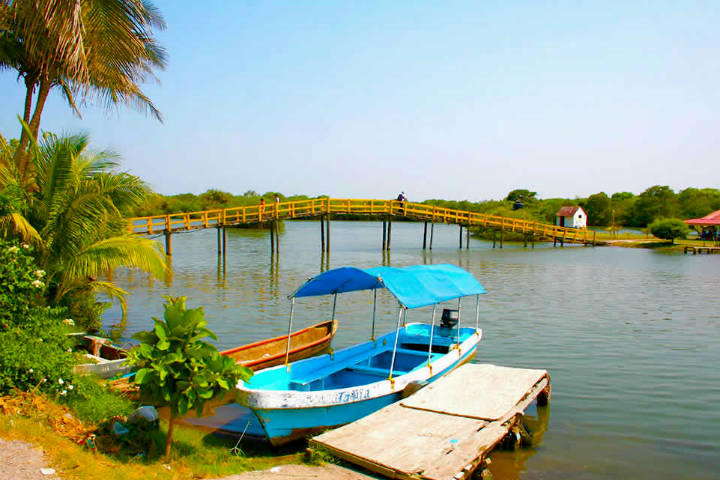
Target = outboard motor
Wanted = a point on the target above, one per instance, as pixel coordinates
(449, 318)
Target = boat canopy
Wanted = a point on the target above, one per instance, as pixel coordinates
(415, 286)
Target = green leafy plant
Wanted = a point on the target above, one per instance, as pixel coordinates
(669, 228)
(176, 368)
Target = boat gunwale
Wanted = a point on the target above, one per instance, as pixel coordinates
(330, 326)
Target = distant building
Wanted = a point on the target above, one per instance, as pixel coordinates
(573, 217)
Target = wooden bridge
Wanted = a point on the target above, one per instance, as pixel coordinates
(325, 208)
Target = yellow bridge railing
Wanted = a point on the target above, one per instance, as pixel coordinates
(333, 206)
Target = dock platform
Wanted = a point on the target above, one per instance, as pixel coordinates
(445, 430)
(700, 249)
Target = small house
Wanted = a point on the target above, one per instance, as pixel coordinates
(573, 217)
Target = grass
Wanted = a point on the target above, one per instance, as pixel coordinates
(195, 453)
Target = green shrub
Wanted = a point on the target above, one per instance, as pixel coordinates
(669, 228)
(22, 283)
(35, 354)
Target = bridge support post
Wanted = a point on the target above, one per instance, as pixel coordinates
(272, 238)
(494, 237)
(327, 233)
(501, 239)
(389, 233)
(384, 240)
(533, 240)
(322, 234)
(168, 243)
(461, 236)
(219, 240)
(224, 241)
(425, 236)
(277, 237)
(467, 237)
(432, 231)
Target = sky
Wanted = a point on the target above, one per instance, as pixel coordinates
(462, 100)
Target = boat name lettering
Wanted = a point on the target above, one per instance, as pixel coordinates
(351, 396)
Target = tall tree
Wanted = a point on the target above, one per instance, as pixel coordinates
(95, 49)
(599, 209)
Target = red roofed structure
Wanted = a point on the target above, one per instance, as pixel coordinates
(574, 217)
(709, 220)
(707, 226)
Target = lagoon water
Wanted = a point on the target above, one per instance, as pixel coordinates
(631, 337)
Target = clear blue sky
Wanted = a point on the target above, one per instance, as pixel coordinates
(450, 99)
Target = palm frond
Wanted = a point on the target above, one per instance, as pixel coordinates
(120, 251)
(14, 225)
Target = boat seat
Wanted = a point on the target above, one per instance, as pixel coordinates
(316, 375)
(376, 371)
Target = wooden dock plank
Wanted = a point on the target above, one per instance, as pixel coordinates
(401, 441)
(484, 391)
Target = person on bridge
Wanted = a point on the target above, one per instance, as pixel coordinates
(402, 198)
(261, 208)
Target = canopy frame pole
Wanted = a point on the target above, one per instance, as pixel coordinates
(397, 334)
(372, 332)
(432, 332)
(287, 349)
(404, 324)
(334, 305)
(458, 325)
(477, 313)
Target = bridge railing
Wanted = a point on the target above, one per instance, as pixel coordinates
(324, 206)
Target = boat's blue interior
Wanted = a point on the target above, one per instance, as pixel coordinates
(364, 363)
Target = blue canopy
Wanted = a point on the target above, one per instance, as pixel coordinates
(415, 286)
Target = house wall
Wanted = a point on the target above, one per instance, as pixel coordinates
(579, 220)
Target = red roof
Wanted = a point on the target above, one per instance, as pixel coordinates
(709, 219)
(567, 211)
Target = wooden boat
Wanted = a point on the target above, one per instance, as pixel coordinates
(267, 353)
(105, 359)
(304, 397)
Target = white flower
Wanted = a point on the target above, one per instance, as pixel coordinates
(13, 249)
(37, 284)
(69, 350)
(70, 387)
(25, 245)
(31, 370)
(39, 273)
(69, 321)
(61, 381)
(64, 392)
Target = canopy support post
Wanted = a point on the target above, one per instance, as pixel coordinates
(372, 333)
(334, 304)
(458, 325)
(287, 349)
(397, 334)
(477, 313)
(432, 332)
(404, 318)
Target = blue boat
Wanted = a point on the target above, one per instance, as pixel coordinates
(308, 396)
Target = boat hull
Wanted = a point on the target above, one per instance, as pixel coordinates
(291, 414)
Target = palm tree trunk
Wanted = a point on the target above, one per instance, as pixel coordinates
(24, 165)
(21, 152)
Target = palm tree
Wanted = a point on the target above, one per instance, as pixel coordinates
(78, 209)
(97, 49)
